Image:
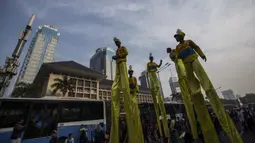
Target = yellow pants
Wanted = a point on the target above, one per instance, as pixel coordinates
(198, 101)
(158, 104)
(136, 118)
(182, 79)
(121, 84)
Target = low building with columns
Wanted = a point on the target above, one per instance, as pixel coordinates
(85, 82)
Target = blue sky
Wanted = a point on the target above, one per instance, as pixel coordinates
(222, 28)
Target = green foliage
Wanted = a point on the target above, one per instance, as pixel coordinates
(23, 89)
(63, 85)
(248, 98)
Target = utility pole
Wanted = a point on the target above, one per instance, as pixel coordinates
(161, 69)
(11, 63)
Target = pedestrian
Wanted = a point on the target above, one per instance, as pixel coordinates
(54, 137)
(16, 133)
(99, 134)
(70, 139)
(83, 134)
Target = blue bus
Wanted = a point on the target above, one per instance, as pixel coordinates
(41, 116)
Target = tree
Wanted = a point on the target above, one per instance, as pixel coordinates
(23, 89)
(62, 84)
(177, 97)
(248, 98)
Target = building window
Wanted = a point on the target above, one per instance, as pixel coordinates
(93, 91)
(86, 95)
(87, 90)
(79, 89)
(87, 83)
(94, 84)
(79, 95)
(80, 82)
(71, 94)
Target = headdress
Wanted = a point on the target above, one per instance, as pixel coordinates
(179, 32)
(151, 55)
(130, 69)
(115, 39)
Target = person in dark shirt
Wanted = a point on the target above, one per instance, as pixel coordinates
(16, 133)
(145, 131)
(83, 134)
(99, 134)
(54, 137)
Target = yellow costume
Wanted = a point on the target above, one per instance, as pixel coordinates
(182, 79)
(187, 50)
(134, 104)
(119, 85)
(157, 98)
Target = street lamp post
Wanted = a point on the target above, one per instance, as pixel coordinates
(11, 64)
(161, 69)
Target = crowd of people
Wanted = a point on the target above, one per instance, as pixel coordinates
(243, 118)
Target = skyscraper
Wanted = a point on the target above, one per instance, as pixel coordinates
(41, 50)
(144, 80)
(174, 85)
(102, 62)
(228, 94)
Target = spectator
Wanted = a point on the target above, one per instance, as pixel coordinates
(54, 137)
(99, 134)
(70, 139)
(16, 133)
(83, 134)
(107, 135)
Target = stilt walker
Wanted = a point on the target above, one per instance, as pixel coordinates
(119, 85)
(188, 51)
(159, 106)
(134, 104)
(185, 93)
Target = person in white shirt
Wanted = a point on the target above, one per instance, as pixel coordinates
(70, 139)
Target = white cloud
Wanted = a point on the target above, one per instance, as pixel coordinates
(223, 29)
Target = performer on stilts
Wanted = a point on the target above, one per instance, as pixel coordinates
(188, 52)
(159, 106)
(183, 82)
(134, 89)
(120, 87)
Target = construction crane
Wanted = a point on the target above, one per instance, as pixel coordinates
(12, 63)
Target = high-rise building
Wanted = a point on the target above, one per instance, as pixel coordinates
(228, 94)
(41, 50)
(102, 62)
(144, 80)
(174, 85)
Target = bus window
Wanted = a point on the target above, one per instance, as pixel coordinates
(75, 111)
(70, 112)
(12, 112)
(42, 120)
(92, 111)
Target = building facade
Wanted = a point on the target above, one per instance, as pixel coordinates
(174, 85)
(86, 83)
(41, 50)
(144, 80)
(102, 62)
(228, 94)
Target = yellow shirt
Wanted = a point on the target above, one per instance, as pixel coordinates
(152, 67)
(187, 51)
(133, 84)
(122, 54)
